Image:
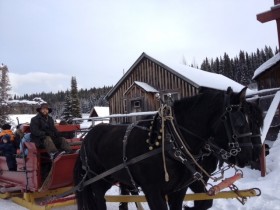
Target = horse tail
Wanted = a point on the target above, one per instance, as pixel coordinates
(84, 195)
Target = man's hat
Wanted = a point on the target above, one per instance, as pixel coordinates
(44, 105)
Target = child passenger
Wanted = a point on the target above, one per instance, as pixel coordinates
(9, 151)
(6, 129)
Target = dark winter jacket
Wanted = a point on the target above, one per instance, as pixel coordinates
(8, 150)
(41, 127)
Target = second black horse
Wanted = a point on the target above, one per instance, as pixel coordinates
(172, 144)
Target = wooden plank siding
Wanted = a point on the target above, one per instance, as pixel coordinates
(155, 75)
(270, 78)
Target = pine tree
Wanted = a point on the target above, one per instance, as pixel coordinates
(4, 94)
(76, 107)
(276, 50)
(268, 53)
(205, 65)
(227, 67)
(216, 65)
(243, 68)
(67, 113)
(5, 86)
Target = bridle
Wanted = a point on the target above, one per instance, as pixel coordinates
(226, 119)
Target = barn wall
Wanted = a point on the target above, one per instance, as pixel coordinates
(155, 75)
(270, 78)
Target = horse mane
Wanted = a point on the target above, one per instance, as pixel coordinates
(255, 112)
(192, 102)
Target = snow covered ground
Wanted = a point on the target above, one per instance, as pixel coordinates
(269, 185)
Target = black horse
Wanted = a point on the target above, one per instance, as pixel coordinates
(255, 119)
(171, 144)
(210, 161)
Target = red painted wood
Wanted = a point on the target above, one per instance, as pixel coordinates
(273, 14)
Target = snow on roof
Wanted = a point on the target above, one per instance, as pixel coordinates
(102, 111)
(146, 87)
(22, 102)
(196, 77)
(201, 78)
(266, 65)
(206, 79)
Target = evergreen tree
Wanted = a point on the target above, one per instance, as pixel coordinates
(5, 86)
(227, 67)
(276, 50)
(216, 65)
(205, 65)
(243, 68)
(75, 107)
(67, 113)
(268, 53)
(4, 94)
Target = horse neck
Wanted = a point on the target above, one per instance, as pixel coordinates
(194, 120)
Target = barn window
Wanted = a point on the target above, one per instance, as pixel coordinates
(137, 104)
(174, 96)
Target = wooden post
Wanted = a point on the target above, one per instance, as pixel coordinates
(262, 161)
(272, 14)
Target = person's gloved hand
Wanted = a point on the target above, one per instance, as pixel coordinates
(50, 133)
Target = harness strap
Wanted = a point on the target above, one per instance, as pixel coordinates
(113, 170)
(125, 139)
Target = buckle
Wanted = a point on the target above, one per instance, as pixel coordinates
(197, 176)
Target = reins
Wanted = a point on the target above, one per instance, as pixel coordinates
(119, 167)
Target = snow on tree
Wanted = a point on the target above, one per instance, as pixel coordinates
(67, 113)
(4, 94)
(76, 107)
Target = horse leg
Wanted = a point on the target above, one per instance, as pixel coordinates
(124, 191)
(155, 199)
(175, 200)
(84, 195)
(98, 190)
(138, 204)
(89, 197)
(198, 187)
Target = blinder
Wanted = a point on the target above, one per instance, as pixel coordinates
(232, 119)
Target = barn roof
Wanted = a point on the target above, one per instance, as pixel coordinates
(99, 111)
(267, 65)
(195, 77)
(146, 87)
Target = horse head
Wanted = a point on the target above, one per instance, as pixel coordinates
(232, 134)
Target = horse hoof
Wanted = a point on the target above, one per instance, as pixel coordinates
(123, 206)
(189, 208)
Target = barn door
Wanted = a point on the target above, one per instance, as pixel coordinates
(136, 106)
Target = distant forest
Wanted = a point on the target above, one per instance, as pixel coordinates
(240, 68)
(88, 98)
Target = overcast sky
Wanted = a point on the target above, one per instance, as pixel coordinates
(45, 42)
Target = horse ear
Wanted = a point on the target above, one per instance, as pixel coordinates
(242, 95)
(229, 90)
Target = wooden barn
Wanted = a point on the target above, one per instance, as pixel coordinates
(136, 90)
(267, 76)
